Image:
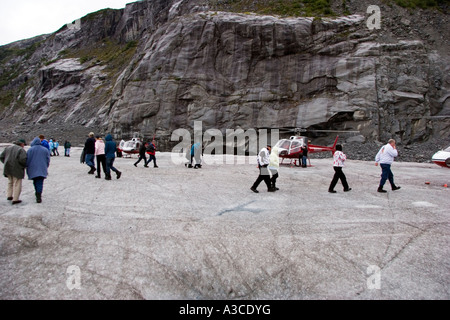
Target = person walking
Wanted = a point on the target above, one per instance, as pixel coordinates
(67, 146)
(51, 146)
(264, 174)
(274, 166)
(89, 152)
(55, 147)
(142, 155)
(110, 154)
(196, 152)
(151, 150)
(38, 161)
(100, 155)
(14, 159)
(338, 164)
(44, 142)
(385, 157)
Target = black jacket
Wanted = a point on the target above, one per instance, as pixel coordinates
(89, 146)
(142, 150)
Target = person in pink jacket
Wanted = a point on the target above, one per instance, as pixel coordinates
(338, 164)
(100, 155)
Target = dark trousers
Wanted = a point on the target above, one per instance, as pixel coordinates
(110, 166)
(264, 175)
(141, 157)
(101, 160)
(386, 174)
(338, 174)
(273, 180)
(150, 159)
(38, 184)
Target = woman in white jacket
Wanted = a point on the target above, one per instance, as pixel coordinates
(274, 166)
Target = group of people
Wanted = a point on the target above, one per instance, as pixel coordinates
(53, 145)
(36, 162)
(385, 157)
(268, 164)
(149, 148)
(104, 152)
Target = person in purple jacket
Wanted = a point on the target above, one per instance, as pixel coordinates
(38, 161)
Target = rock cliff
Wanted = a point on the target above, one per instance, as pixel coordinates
(156, 66)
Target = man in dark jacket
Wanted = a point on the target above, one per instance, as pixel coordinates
(110, 154)
(89, 152)
(15, 159)
(142, 155)
(38, 161)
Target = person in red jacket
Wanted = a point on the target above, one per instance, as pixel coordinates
(151, 150)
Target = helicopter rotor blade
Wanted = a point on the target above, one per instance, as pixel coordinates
(297, 130)
(335, 131)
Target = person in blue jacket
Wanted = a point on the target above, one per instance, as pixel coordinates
(38, 161)
(110, 154)
(44, 142)
(196, 152)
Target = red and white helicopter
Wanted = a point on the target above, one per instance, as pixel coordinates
(130, 147)
(442, 158)
(292, 148)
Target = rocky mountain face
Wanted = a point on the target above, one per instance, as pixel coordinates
(156, 66)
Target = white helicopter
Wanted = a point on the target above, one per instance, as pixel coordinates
(131, 146)
(442, 158)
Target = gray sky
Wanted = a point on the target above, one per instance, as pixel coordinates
(23, 19)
